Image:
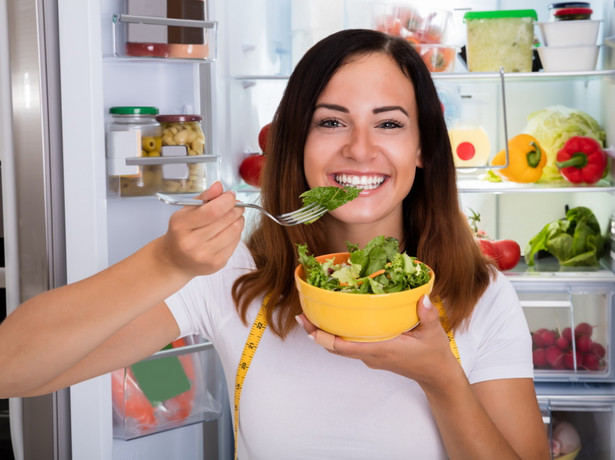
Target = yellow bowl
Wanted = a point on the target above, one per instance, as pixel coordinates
(359, 317)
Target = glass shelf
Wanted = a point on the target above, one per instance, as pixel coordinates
(476, 185)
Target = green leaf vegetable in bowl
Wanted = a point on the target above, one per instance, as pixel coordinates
(378, 268)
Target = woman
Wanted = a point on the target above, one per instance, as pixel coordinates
(359, 108)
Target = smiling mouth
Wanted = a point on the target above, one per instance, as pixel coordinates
(369, 182)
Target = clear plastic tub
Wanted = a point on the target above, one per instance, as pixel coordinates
(500, 39)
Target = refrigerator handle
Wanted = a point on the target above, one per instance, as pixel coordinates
(9, 212)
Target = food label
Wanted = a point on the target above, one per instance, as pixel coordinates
(174, 171)
(122, 145)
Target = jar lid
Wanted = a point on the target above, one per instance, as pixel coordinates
(178, 118)
(498, 14)
(133, 110)
(554, 6)
(567, 11)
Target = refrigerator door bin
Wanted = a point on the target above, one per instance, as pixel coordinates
(178, 386)
(205, 50)
(571, 330)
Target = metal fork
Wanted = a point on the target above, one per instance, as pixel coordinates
(306, 214)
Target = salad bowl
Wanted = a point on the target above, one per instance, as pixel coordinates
(359, 317)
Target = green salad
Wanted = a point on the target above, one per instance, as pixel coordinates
(378, 268)
(329, 197)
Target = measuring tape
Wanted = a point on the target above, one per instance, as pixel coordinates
(256, 332)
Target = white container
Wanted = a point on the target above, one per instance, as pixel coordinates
(568, 58)
(569, 33)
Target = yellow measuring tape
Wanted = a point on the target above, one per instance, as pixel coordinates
(256, 332)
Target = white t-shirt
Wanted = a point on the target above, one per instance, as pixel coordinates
(301, 402)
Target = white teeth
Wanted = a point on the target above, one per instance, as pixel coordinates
(362, 182)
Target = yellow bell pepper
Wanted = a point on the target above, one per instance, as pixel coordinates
(526, 159)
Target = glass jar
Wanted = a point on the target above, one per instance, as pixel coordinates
(182, 135)
(133, 132)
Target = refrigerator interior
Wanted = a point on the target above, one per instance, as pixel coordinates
(258, 44)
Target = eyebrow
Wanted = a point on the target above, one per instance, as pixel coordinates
(340, 108)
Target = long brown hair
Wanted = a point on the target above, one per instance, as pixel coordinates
(435, 230)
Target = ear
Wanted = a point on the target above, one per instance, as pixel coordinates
(419, 159)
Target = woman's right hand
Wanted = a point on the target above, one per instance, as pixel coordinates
(201, 239)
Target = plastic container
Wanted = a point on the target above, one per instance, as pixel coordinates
(568, 58)
(572, 14)
(182, 136)
(178, 386)
(415, 24)
(133, 132)
(555, 7)
(569, 33)
(438, 58)
(500, 39)
(146, 40)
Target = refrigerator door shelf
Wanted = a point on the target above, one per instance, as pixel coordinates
(167, 390)
(204, 52)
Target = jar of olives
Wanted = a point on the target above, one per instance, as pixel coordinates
(182, 136)
(133, 132)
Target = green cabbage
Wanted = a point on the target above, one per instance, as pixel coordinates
(553, 126)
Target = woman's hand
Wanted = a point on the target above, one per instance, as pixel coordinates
(422, 354)
(201, 239)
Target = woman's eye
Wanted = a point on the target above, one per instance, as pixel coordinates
(391, 124)
(329, 123)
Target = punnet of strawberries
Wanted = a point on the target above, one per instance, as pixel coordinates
(555, 349)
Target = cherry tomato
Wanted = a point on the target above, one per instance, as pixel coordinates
(509, 254)
(262, 137)
(251, 168)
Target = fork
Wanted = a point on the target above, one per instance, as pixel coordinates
(303, 215)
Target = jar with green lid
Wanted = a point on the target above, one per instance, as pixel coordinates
(182, 136)
(500, 39)
(133, 132)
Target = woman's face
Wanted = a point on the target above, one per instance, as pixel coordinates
(364, 133)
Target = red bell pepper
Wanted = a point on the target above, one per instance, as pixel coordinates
(582, 160)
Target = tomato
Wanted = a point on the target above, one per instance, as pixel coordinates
(487, 247)
(509, 254)
(262, 137)
(251, 168)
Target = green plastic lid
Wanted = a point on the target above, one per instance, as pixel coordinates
(499, 14)
(129, 110)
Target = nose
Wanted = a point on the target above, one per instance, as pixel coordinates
(360, 145)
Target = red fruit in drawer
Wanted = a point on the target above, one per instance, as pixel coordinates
(584, 344)
(562, 343)
(598, 350)
(569, 360)
(591, 362)
(548, 338)
(567, 333)
(583, 329)
(555, 357)
(539, 358)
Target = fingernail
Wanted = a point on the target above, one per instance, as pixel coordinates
(300, 321)
(311, 337)
(427, 302)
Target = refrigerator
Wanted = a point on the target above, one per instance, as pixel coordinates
(63, 65)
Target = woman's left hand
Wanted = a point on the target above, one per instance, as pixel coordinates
(422, 354)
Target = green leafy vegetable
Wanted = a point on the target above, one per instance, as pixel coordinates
(575, 240)
(400, 272)
(553, 126)
(329, 197)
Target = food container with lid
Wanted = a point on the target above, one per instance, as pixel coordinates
(568, 58)
(569, 33)
(133, 132)
(182, 136)
(500, 39)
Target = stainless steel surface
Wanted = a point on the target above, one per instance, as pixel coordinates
(302, 215)
(38, 195)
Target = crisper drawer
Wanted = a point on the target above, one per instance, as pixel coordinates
(572, 330)
(178, 386)
(580, 421)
